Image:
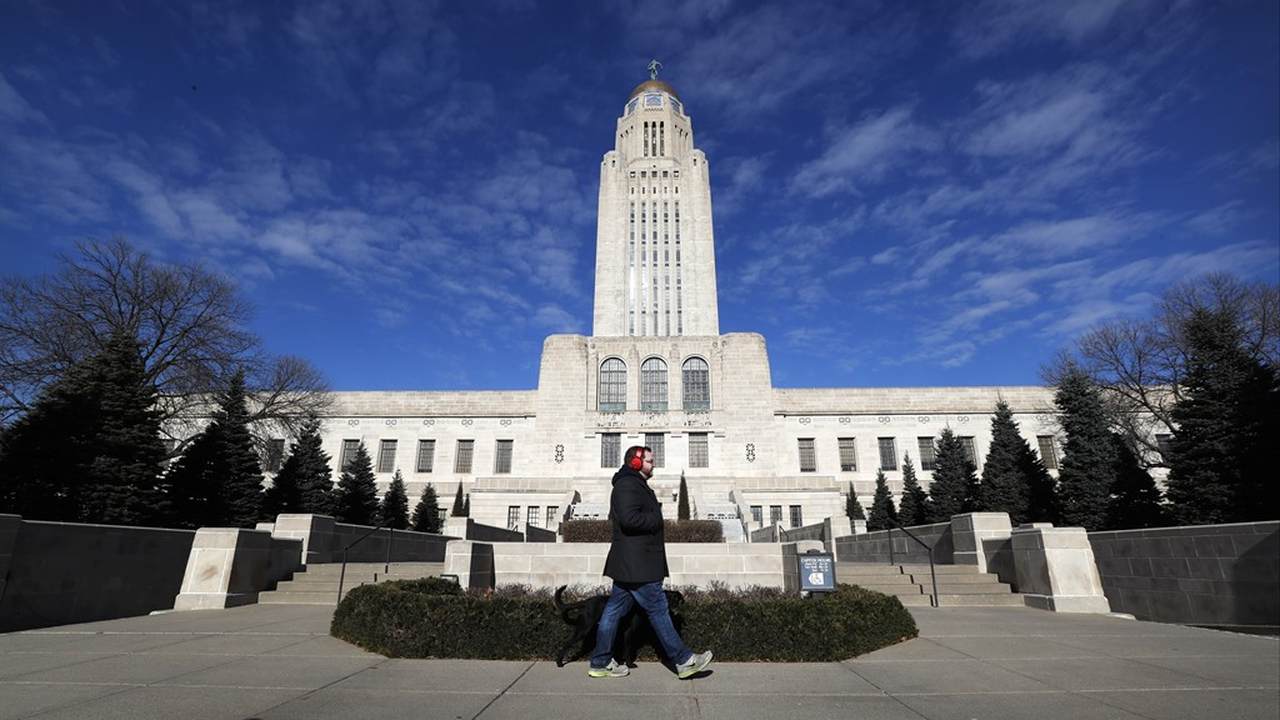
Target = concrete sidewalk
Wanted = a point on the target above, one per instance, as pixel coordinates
(275, 662)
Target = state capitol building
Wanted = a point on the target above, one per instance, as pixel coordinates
(657, 371)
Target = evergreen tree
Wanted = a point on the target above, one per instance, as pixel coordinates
(314, 477)
(852, 507)
(89, 450)
(1227, 415)
(283, 495)
(466, 506)
(357, 501)
(682, 510)
(1088, 464)
(1004, 486)
(217, 481)
(882, 509)
(394, 510)
(1135, 499)
(914, 507)
(458, 509)
(426, 514)
(1042, 489)
(954, 489)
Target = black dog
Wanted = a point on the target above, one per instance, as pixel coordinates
(634, 630)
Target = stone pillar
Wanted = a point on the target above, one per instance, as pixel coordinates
(790, 563)
(455, 527)
(859, 527)
(1056, 569)
(316, 533)
(841, 526)
(471, 562)
(227, 567)
(969, 530)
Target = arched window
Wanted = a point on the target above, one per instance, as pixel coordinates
(653, 385)
(696, 385)
(613, 386)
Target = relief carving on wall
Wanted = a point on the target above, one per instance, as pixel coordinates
(559, 453)
(751, 452)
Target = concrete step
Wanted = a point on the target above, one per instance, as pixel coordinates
(923, 569)
(863, 578)
(964, 601)
(975, 578)
(369, 569)
(277, 597)
(849, 568)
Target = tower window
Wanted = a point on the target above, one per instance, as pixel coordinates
(613, 386)
(694, 383)
(653, 378)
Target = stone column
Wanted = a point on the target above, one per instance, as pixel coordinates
(859, 527)
(227, 567)
(316, 533)
(1056, 569)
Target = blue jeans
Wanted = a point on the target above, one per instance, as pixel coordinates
(653, 601)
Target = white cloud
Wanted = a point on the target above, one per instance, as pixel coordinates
(989, 26)
(14, 108)
(864, 153)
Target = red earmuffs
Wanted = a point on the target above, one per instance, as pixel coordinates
(637, 461)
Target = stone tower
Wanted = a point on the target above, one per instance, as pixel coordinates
(655, 251)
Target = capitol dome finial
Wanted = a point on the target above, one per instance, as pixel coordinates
(654, 67)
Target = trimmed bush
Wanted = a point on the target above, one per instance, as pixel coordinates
(423, 618)
(674, 531)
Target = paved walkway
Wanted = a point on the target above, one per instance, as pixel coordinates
(278, 661)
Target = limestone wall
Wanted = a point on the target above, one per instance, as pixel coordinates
(873, 547)
(1204, 575)
(59, 573)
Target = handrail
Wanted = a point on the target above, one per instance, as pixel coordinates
(933, 575)
(386, 567)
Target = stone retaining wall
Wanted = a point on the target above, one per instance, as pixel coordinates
(57, 573)
(1202, 575)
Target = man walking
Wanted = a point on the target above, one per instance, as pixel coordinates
(637, 563)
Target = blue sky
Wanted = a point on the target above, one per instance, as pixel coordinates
(904, 193)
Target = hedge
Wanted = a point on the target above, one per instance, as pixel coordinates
(426, 618)
(674, 531)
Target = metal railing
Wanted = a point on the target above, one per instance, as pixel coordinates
(933, 576)
(386, 567)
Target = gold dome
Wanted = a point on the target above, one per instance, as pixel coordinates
(654, 85)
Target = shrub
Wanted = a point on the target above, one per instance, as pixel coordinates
(683, 531)
(428, 618)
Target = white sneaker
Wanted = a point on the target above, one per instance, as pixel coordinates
(612, 670)
(694, 665)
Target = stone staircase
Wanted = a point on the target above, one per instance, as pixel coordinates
(958, 585)
(318, 584)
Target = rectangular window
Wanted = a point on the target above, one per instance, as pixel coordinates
(808, 458)
(513, 517)
(970, 450)
(757, 514)
(698, 456)
(797, 519)
(349, 448)
(888, 453)
(275, 454)
(462, 460)
(534, 515)
(610, 450)
(386, 456)
(553, 513)
(928, 458)
(775, 514)
(426, 455)
(502, 457)
(1165, 444)
(1048, 452)
(443, 515)
(848, 455)
(657, 442)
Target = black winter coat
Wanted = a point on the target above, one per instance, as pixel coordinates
(638, 553)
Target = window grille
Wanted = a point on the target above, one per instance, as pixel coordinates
(775, 514)
(653, 377)
(657, 443)
(613, 386)
(1048, 451)
(534, 516)
(797, 518)
(462, 461)
(757, 514)
(426, 455)
(502, 457)
(513, 517)
(928, 453)
(553, 513)
(386, 456)
(275, 454)
(698, 455)
(848, 454)
(888, 453)
(695, 381)
(808, 458)
(970, 450)
(349, 448)
(610, 450)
